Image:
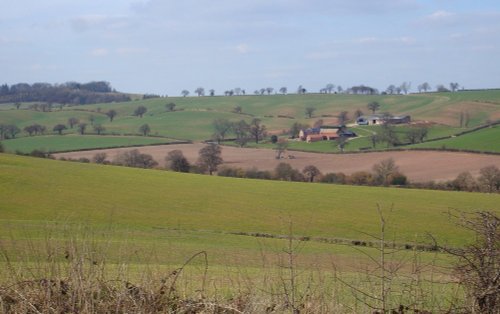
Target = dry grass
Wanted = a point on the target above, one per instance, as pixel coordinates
(75, 275)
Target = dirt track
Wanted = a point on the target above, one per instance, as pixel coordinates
(419, 166)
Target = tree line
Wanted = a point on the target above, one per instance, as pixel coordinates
(72, 93)
(403, 88)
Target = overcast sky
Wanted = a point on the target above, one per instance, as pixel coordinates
(165, 46)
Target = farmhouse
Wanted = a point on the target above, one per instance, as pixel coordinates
(325, 133)
(370, 120)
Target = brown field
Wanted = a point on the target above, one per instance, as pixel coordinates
(419, 166)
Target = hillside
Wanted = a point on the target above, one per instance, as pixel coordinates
(39, 190)
(193, 117)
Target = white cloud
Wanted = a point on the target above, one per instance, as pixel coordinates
(439, 16)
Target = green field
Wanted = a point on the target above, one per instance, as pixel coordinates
(71, 142)
(486, 140)
(193, 116)
(39, 190)
(139, 224)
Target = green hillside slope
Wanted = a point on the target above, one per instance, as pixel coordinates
(37, 190)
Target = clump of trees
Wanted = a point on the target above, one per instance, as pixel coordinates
(8, 131)
(176, 161)
(134, 158)
(67, 93)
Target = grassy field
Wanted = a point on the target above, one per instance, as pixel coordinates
(486, 140)
(140, 224)
(41, 190)
(71, 142)
(194, 115)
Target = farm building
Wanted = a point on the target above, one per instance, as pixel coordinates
(325, 133)
(321, 137)
(376, 119)
(370, 120)
(399, 119)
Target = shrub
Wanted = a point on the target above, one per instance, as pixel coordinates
(133, 158)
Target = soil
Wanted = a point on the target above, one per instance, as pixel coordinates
(418, 166)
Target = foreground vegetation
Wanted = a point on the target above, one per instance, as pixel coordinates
(122, 235)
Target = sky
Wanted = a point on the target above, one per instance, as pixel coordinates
(165, 46)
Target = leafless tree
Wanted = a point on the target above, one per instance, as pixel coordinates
(384, 170)
(210, 158)
(311, 172)
(59, 128)
(490, 178)
(111, 114)
(144, 129)
(81, 128)
(98, 128)
(176, 161)
(373, 106)
(309, 111)
(140, 111)
(200, 91)
(478, 264)
(72, 122)
(280, 147)
(257, 130)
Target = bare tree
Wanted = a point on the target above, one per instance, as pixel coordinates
(257, 130)
(72, 122)
(329, 87)
(81, 128)
(281, 147)
(490, 178)
(210, 158)
(373, 106)
(98, 128)
(176, 161)
(99, 158)
(311, 172)
(405, 87)
(140, 111)
(111, 114)
(200, 91)
(222, 127)
(309, 111)
(454, 86)
(242, 131)
(59, 128)
(478, 264)
(424, 87)
(134, 158)
(145, 129)
(384, 170)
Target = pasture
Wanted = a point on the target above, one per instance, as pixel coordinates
(72, 142)
(137, 225)
(192, 117)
